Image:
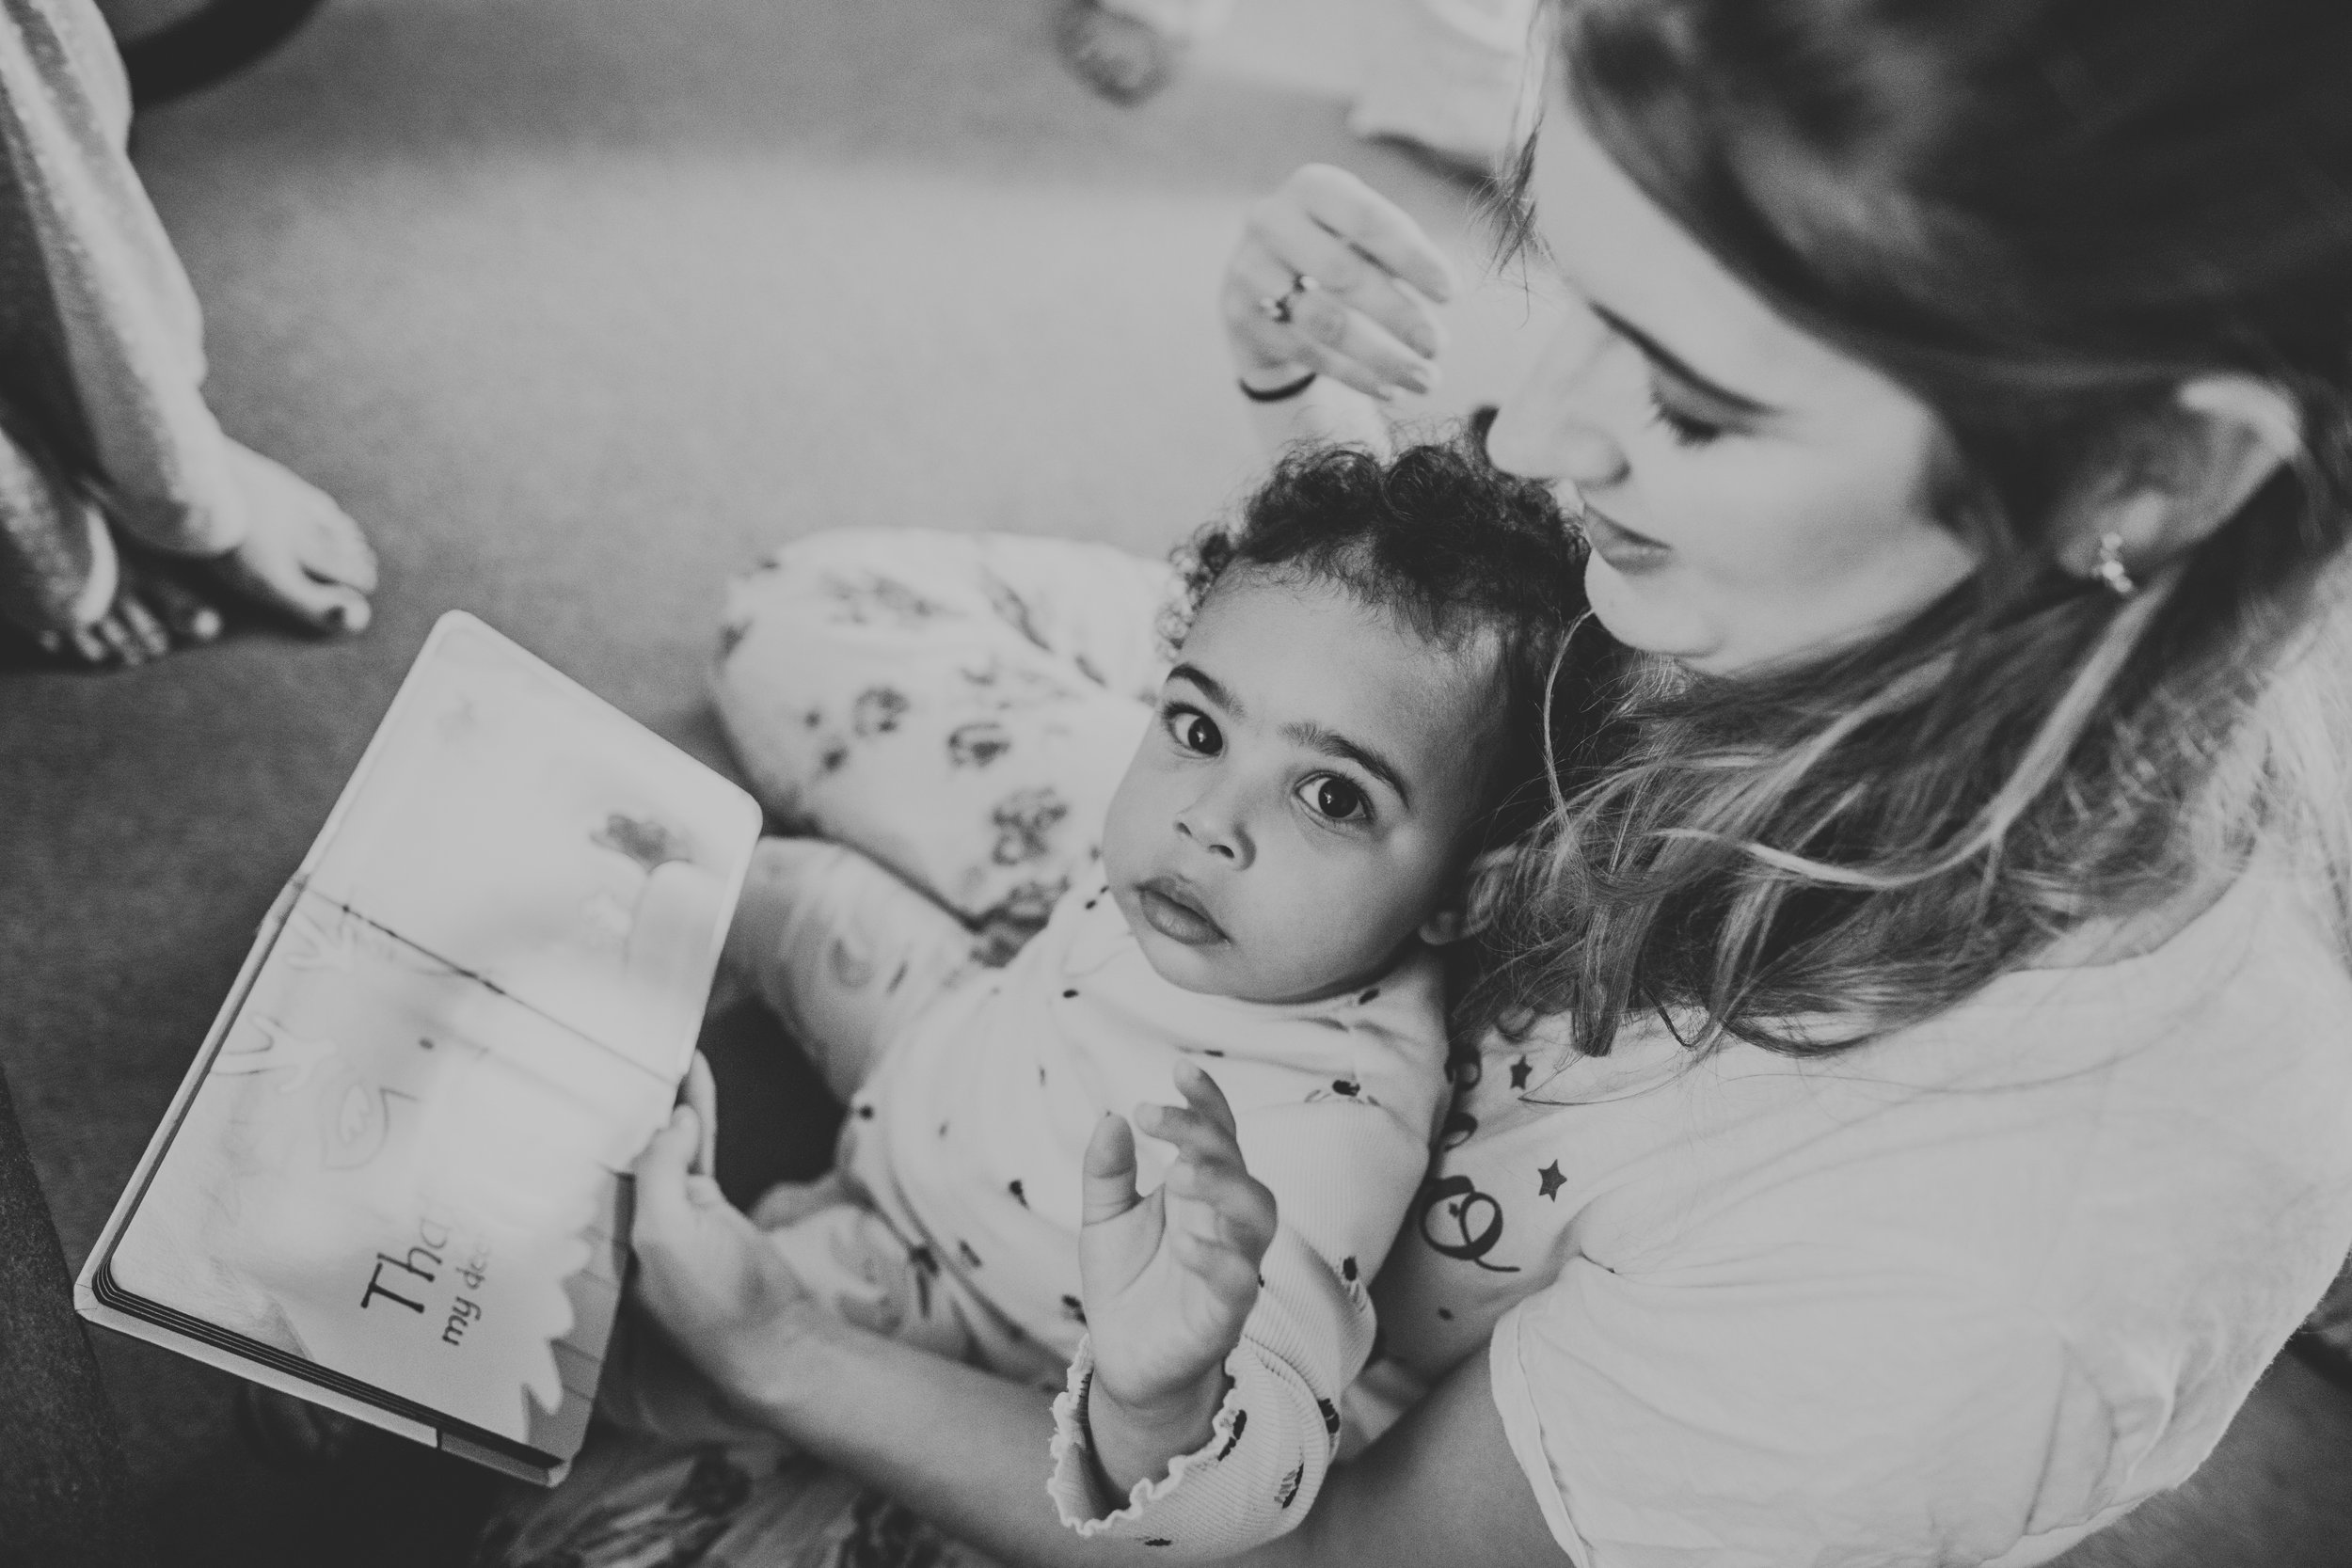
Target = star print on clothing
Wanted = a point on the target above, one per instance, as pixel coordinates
(1550, 1181)
(1519, 1069)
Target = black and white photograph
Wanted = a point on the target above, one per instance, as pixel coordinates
(1073, 783)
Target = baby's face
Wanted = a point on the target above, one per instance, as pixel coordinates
(1308, 797)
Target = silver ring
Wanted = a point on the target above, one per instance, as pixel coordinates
(1276, 308)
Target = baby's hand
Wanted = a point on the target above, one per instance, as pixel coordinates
(1168, 1279)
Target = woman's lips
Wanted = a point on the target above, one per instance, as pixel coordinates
(1167, 909)
(1624, 550)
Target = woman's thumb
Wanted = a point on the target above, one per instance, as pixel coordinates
(660, 1195)
(669, 1153)
(1108, 1171)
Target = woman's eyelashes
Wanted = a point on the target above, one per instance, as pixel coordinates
(1683, 428)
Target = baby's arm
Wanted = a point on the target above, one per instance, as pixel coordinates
(1254, 1432)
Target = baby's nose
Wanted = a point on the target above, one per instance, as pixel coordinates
(1224, 839)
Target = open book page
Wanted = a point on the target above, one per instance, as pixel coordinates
(395, 1173)
(399, 1165)
(517, 826)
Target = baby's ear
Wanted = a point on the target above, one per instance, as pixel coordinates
(1471, 907)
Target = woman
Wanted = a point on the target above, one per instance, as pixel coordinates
(1921, 1099)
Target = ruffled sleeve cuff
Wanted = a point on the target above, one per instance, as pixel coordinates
(1269, 1448)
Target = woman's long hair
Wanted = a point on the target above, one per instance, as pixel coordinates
(2043, 218)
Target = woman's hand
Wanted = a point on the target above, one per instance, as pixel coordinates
(1366, 319)
(1168, 1279)
(704, 1273)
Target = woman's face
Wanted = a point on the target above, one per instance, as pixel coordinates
(1750, 492)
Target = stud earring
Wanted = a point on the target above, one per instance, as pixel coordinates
(2109, 568)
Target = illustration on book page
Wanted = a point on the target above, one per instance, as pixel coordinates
(404, 1177)
(528, 834)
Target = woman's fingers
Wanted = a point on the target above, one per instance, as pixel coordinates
(1366, 320)
(1293, 242)
(1370, 222)
(662, 1206)
(1326, 333)
(701, 1091)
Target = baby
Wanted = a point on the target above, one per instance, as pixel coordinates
(1351, 730)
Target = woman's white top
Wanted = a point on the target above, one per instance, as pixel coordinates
(1957, 1297)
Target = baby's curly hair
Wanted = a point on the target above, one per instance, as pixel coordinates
(1455, 550)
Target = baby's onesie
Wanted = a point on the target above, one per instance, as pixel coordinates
(977, 1091)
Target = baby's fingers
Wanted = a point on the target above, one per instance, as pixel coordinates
(1228, 1275)
(1229, 1206)
(1197, 1138)
(1201, 1093)
(1107, 1174)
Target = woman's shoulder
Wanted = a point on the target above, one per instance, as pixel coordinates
(2101, 1196)
(2249, 1000)
(2052, 1129)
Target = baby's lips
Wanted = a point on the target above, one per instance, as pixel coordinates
(1176, 915)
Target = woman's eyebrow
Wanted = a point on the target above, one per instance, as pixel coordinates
(1333, 744)
(1658, 355)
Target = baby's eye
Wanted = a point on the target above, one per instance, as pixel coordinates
(1195, 732)
(1333, 797)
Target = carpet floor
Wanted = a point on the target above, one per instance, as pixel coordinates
(579, 305)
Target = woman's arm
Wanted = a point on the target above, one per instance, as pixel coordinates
(968, 1453)
(1361, 323)
(969, 1450)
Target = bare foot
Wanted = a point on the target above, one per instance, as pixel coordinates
(302, 557)
(1119, 57)
(153, 613)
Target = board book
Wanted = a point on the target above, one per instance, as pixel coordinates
(393, 1182)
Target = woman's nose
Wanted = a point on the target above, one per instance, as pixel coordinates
(1549, 429)
(1553, 446)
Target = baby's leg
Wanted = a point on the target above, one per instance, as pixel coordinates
(845, 1255)
(959, 707)
(844, 952)
(854, 1261)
